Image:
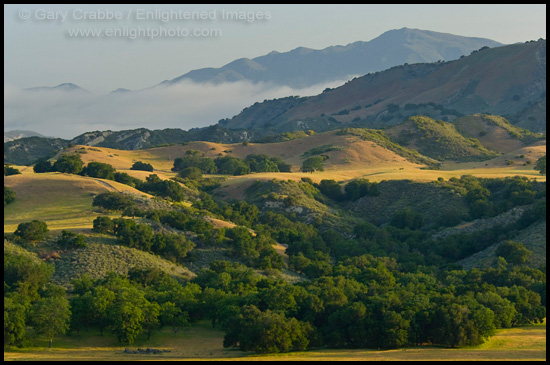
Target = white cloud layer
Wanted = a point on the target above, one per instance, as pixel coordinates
(184, 105)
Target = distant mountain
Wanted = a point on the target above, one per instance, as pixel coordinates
(16, 134)
(304, 67)
(509, 81)
(134, 139)
(27, 150)
(68, 87)
(120, 91)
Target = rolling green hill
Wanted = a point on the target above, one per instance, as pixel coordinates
(439, 140)
(97, 259)
(495, 132)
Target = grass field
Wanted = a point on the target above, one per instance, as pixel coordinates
(202, 342)
(63, 201)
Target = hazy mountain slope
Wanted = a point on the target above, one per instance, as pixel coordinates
(508, 81)
(302, 66)
(27, 150)
(17, 134)
(65, 87)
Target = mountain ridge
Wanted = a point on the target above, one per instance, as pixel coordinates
(508, 81)
(18, 133)
(65, 87)
(304, 66)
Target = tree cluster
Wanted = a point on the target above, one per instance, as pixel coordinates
(31, 301)
(228, 165)
(9, 195)
(72, 164)
(171, 246)
(142, 166)
(9, 170)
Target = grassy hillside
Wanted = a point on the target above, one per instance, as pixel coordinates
(291, 197)
(439, 140)
(66, 199)
(508, 80)
(348, 151)
(63, 201)
(495, 132)
(534, 239)
(380, 138)
(97, 259)
(100, 256)
(431, 201)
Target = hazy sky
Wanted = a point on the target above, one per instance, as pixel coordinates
(42, 48)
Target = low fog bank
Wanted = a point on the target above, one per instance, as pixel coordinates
(186, 105)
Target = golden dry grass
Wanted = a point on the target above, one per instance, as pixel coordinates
(355, 153)
(63, 201)
(121, 159)
(355, 159)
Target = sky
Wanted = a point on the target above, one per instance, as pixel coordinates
(44, 45)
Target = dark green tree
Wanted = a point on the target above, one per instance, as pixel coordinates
(70, 239)
(127, 314)
(267, 332)
(407, 218)
(25, 276)
(8, 170)
(261, 163)
(164, 188)
(9, 195)
(332, 189)
(193, 173)
(82, 284)
(81, 308)
(457, 324)
(312, 164)
(142, 166)
(151, 321)
(113, 201)
(42, 166)
(103, 224)
(231, 166)
(540, 165)
(69, 164)
(100, 170)
(504, 310)
(513, 252)
(34, 230)
(124, 178)
(102, 301)
(173, 316)
(195, 159)
(16, 308)
(359, 188)
(50, 316)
